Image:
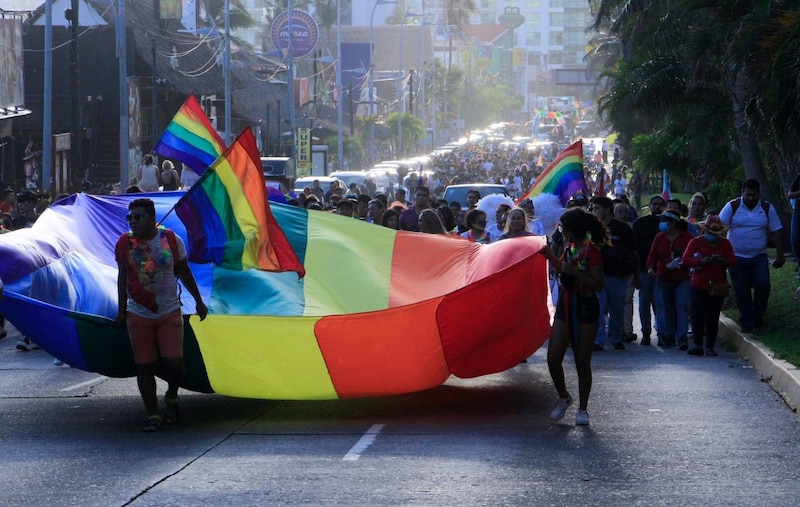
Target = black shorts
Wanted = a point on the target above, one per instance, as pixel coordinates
(587, 308)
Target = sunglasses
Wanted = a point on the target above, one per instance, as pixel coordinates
(135, 217)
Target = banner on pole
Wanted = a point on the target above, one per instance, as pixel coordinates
(304, 150)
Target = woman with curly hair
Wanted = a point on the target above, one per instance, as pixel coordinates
(580, 270)
(476, 227)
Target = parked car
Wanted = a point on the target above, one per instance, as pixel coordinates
(324, 183)
(348, 177)
(459, 192)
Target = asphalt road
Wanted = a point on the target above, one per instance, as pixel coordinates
(666, 429)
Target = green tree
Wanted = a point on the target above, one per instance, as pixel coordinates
(703, 84)
(239, 17)
(352, 149)
(413, 129)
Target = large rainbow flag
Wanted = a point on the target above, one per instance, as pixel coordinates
(190, 138)
(562, 177)
(379, 311)
(227, 215)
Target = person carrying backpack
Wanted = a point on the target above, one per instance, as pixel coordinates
(751, 223)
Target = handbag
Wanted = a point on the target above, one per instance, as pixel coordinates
(720, 290)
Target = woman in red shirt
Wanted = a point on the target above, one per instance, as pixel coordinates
(672, 278)
(708, 256)
(578, 311)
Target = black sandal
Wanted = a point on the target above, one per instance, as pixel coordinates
(173, 413)
(152, 424)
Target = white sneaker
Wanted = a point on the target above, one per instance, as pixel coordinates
(24, 345)
(561, 408)
(582, 418)
(58, 362)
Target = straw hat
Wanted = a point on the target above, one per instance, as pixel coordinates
(713, 225)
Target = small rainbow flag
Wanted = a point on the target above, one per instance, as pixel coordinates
(190, 138)
(562, 177)
(227, 217)
(666, 193)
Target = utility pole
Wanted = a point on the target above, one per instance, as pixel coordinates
(75, 80)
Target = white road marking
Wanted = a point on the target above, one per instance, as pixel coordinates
(83, 384)
(363, 443)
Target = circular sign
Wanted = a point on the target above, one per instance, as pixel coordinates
(305, 32)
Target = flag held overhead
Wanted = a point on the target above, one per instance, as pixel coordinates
(562, 177)
(190, 138)
(227, 216)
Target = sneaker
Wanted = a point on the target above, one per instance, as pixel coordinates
(629, 338)
(57, 362)
(24, 345)
(3, 333)
(683, 346)
(695, 351)
(645, 340)
(561, 408)
(619, 346)
(711, 352)
(582, 418)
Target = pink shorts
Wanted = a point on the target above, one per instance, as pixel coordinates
(151, 338)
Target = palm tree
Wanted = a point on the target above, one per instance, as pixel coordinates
(698, 55)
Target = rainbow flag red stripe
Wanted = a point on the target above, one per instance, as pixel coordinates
(562, 177)
(227, 216)
(190, 138)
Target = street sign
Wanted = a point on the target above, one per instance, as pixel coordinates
(305, 32)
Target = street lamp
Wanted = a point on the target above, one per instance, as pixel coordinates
(372, 75)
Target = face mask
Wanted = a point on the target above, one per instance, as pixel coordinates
(710, 238)
(663, 226)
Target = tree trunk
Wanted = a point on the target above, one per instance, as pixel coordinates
(743, 89)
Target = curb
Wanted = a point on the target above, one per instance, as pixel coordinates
(784, 377)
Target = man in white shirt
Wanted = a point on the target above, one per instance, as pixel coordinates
(750, 222)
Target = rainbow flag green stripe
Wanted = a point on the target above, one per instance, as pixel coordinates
(227, 215)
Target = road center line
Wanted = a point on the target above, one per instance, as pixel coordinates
(363, 443)
(83, 384)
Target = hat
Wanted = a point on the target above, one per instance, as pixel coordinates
(26, 196)
(713, 225)
(670, 215)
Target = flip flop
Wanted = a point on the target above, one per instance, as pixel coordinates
(152, 424)
(173, 413)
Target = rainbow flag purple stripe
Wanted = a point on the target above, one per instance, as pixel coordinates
(190, 138)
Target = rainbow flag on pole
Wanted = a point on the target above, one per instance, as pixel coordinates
(562, 177)
(190, 138)
(227, 216)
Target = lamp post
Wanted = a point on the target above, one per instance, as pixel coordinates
(372, 75)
